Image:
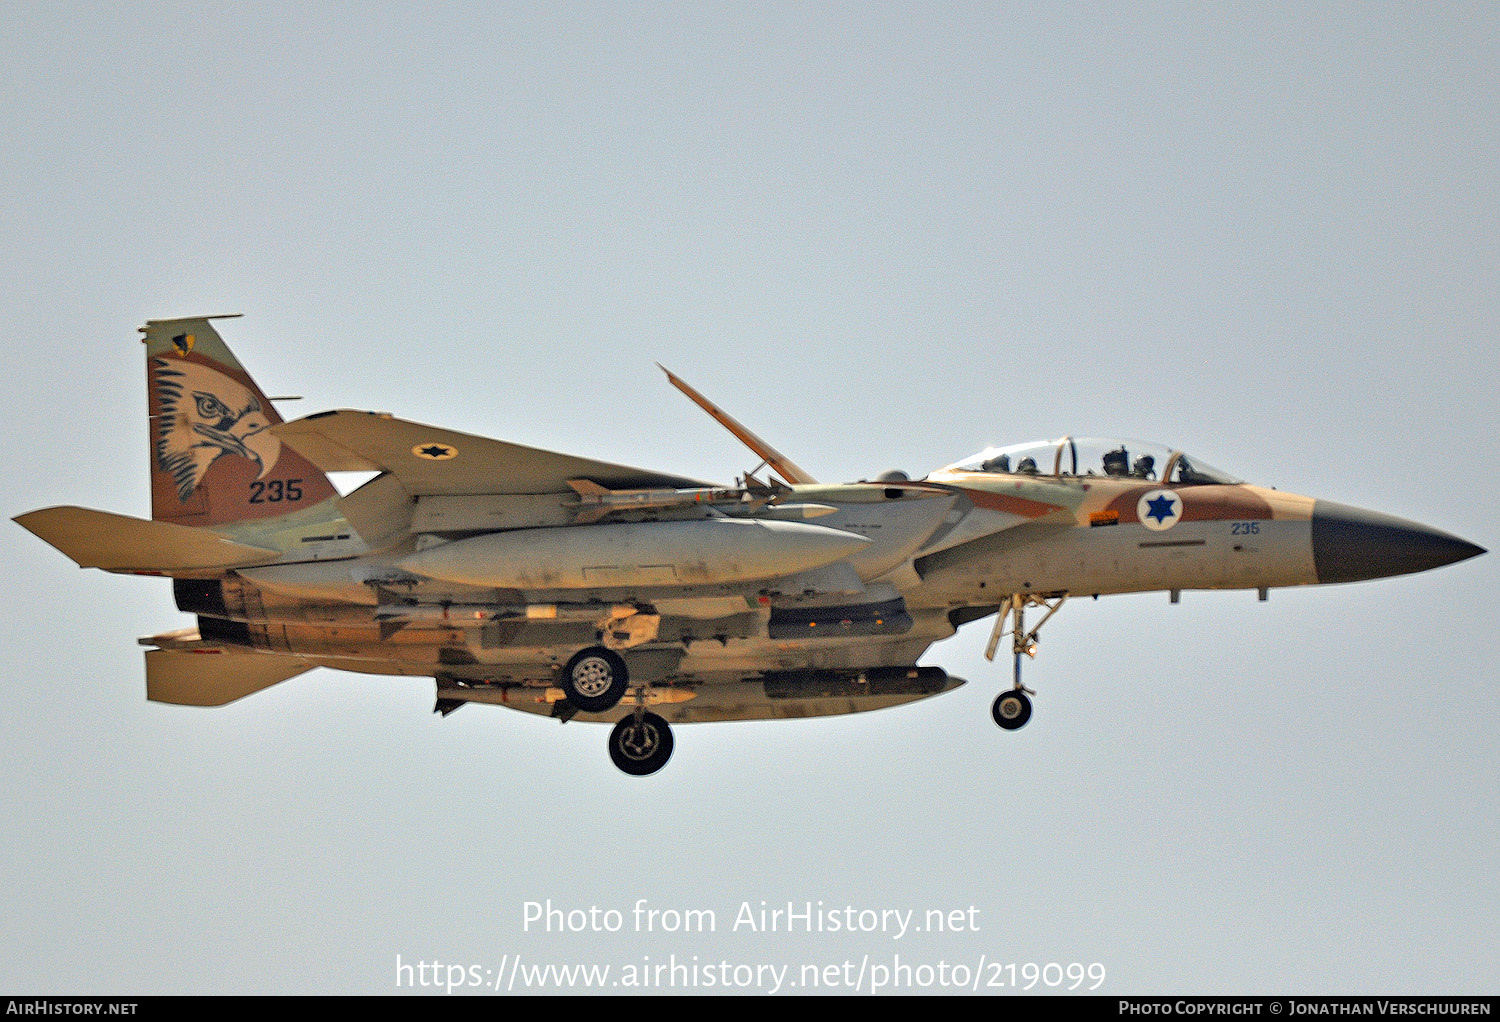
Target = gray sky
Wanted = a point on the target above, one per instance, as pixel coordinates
(883, 237)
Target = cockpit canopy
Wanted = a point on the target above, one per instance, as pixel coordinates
(1094, 456)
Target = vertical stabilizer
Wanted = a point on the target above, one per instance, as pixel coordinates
(213, 457)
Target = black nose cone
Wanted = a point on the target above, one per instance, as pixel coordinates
(1350, 544)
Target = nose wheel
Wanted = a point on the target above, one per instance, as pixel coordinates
(1011, 709)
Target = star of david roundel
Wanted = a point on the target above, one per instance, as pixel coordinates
(435, 452)
(1159, 509)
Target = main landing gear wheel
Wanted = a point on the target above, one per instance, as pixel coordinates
(595, 679)
(641, 744)
(1012, 709)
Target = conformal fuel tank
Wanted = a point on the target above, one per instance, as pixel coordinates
(712, 551)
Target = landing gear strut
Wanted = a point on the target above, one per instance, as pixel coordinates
(1012, 709)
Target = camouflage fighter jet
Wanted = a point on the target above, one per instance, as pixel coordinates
(568, 587)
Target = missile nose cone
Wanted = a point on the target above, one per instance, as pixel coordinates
(1350, 544)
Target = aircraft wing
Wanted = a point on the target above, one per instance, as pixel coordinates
(429, 460)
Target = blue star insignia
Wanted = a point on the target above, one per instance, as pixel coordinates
(1161, 508)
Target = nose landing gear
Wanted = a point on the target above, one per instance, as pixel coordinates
(1012, 709)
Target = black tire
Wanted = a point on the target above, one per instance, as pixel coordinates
(595, 679)
(1012, 709)
(641, 748)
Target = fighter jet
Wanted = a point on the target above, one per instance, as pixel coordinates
(584, 590)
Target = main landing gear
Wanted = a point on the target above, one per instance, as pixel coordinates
(595, 679)
(641, 742)
(1012, 709)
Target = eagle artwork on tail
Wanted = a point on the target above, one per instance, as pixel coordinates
(204, 416)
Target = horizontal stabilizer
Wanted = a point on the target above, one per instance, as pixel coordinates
(213, 677)
(428, 460)
(100, 539)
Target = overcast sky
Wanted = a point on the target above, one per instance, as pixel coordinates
(883, 236)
